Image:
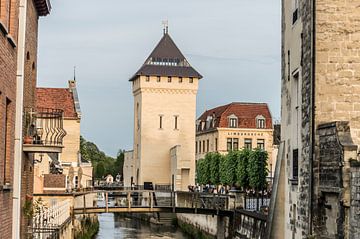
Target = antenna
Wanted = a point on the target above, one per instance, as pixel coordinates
(74, 73)
(165, 23)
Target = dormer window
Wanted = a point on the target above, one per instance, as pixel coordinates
(233, 121)
(260, 122)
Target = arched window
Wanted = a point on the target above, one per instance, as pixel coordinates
(260, 122)
(233, 121)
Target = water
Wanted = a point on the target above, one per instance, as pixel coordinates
(116, 226)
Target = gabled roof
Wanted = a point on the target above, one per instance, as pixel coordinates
(166, 60)
(57, 98)
(245, 112)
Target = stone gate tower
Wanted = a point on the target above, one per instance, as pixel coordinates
(164, 90)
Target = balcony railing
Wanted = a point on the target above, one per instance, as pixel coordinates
(44, 131)
(49, 221)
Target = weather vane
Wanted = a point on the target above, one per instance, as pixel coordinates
(165, 23)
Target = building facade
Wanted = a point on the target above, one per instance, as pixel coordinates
(233, 127)
(18, 59)
(129, 169)
(317, 165)
(164, 90)
(71, 171)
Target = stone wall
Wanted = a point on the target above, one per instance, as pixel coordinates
(334, 151)
(354, 229)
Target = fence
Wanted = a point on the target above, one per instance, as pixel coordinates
(47, 222)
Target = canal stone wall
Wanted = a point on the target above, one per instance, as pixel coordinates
(210, 225)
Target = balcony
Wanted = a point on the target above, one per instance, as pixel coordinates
(44, 130)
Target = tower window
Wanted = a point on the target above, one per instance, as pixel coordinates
(191, 80)
(158, 79)
(147, 78)
(203, 146)
(199, 146)
(176, 121)
(169, 79)
(180, 79)
(216, 144)
(161, 121)
(207, 145)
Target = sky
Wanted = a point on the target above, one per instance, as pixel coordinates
(234, 44)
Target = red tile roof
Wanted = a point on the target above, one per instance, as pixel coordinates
(56, 98)
(245, 112)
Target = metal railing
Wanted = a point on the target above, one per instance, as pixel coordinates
(48, 221)
(44, 126)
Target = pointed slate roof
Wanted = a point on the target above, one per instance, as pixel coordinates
(166, 60)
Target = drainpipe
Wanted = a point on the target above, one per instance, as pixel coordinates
(312, 123)
(18, 120)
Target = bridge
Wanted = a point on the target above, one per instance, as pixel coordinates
(150, 201)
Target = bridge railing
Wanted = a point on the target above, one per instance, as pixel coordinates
(152, 199)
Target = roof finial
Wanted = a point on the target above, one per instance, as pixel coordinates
(74, 73)
(166, 26)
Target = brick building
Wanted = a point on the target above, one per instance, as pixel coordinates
(234, 126)
(18, 59)
(317, 172)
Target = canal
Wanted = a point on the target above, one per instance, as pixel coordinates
(116, 226)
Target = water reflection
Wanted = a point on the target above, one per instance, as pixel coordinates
(116, 226)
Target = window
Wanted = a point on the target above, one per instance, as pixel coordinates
(207, 145)
(232, 122)
(147, 78)
(248, 144)
(229, 144)
(160, 121)
(180, 79)
(158, 79)
(169, 79)
(260, 122)
(235, 144)
(191, 80)
(200, 147)
(76, 181)
(232, 144)
(7, 141)
(295, 10)
(261, 143)
(295, 164)
(216, 144)
(203, 146)
(176, 121)
(196, 147)
(138, 116)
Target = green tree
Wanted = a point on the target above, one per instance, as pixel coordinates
(257, 169)
(228, 168)
(99, 170)
(202, 171)
(214, 163)
(242, 168)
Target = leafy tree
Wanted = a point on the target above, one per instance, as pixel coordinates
(242, 168)
(257, 169)
(228, 168)
(214, 163)
(102, 164)
(99, 170)
(202, 171)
